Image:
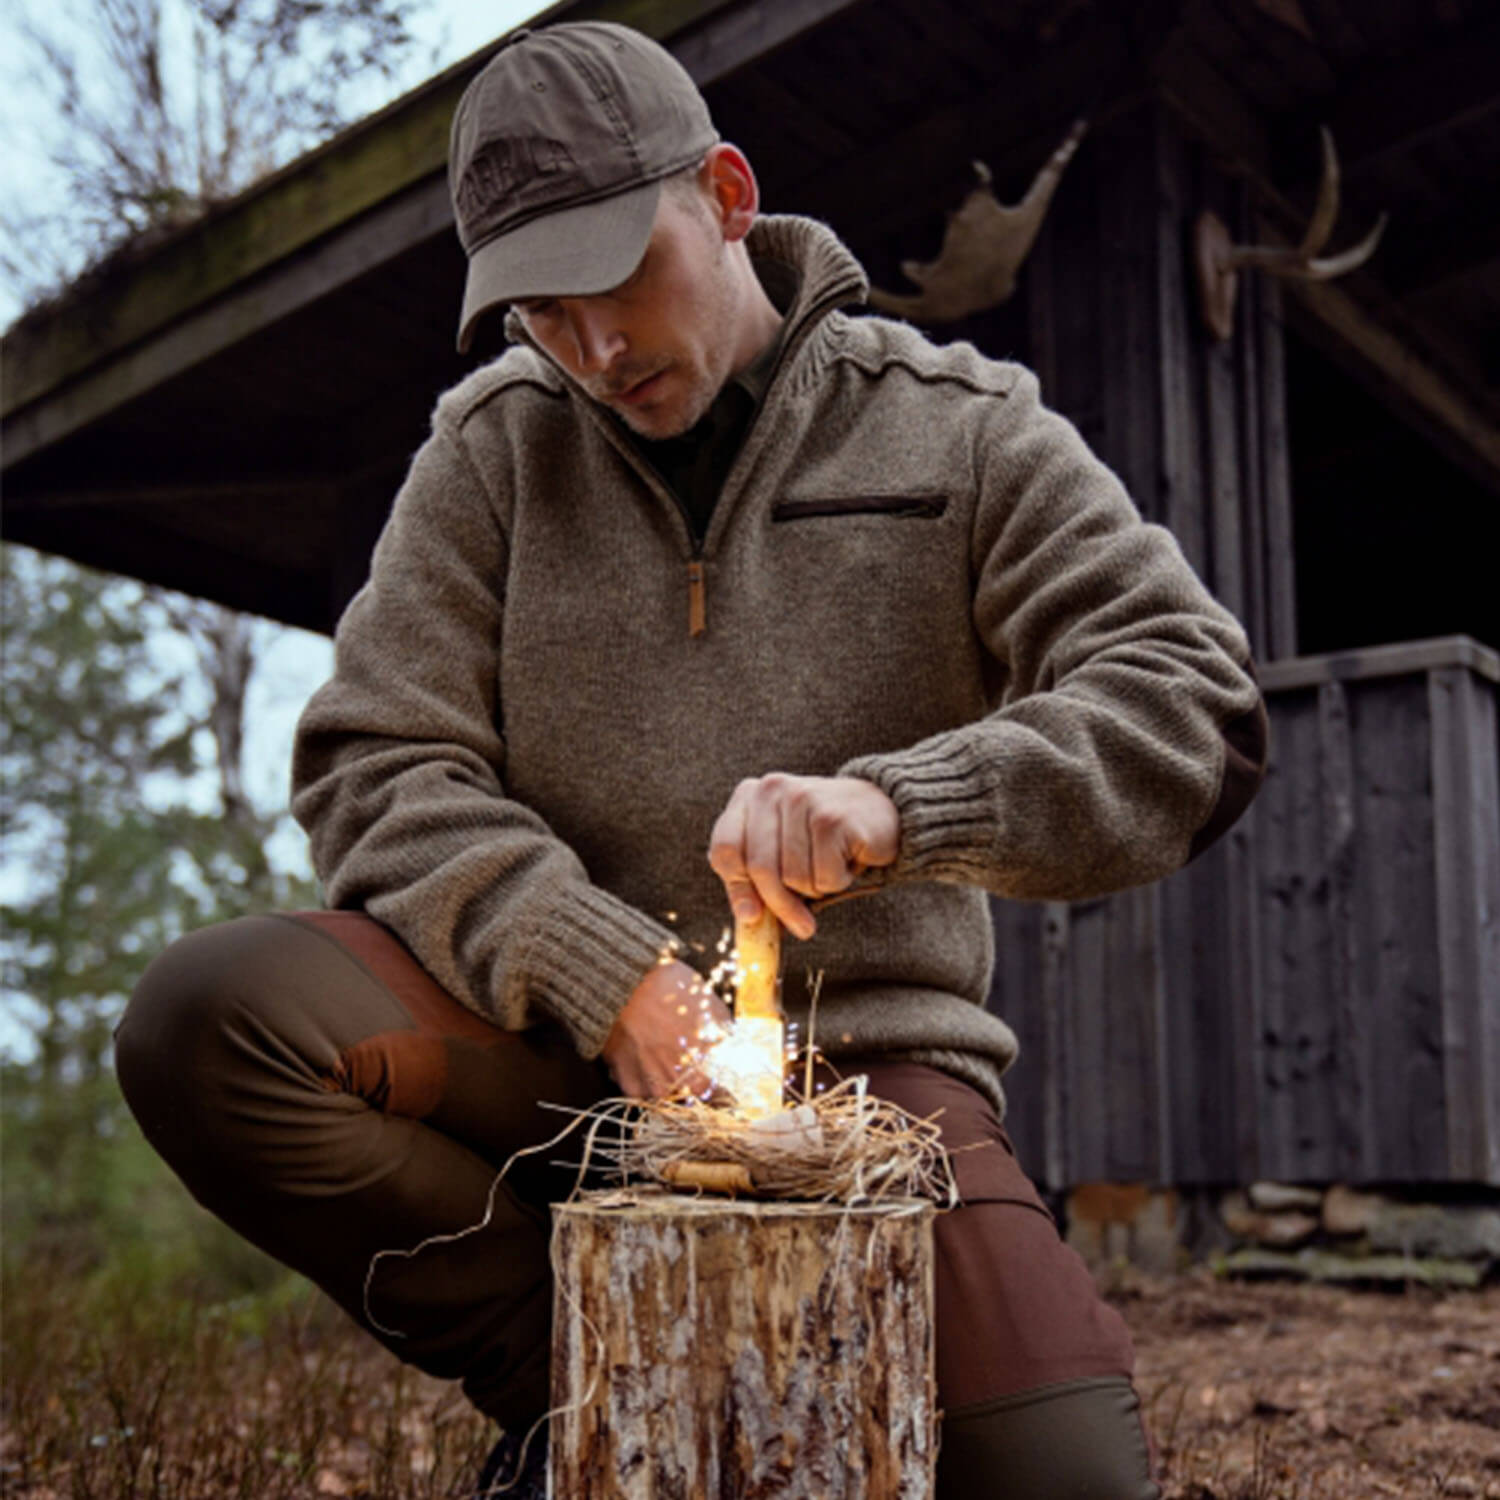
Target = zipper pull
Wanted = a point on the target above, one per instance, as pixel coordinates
(697, 602)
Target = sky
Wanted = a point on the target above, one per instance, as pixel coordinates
(447, 30)
(297, 662)
(469, 24)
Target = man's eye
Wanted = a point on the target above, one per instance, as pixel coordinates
(538, 307)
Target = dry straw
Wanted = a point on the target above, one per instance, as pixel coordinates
(842, 1145)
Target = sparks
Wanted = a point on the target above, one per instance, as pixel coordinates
(747, 1063)
(750, 1062)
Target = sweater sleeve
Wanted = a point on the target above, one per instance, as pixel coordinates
(1130, 731)
(398, 777)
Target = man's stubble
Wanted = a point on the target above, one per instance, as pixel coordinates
(699, 379)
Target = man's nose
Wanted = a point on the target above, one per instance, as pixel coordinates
(596, 335)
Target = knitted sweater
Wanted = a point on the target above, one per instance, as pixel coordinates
(915, 573)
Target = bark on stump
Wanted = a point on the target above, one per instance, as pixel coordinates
(708, 1348)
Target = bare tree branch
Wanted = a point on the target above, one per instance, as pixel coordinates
(160, 108)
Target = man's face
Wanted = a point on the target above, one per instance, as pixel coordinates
(657, 348)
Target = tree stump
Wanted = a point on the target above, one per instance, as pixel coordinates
(706, 1348)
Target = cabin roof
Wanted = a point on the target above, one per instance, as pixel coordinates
(229, 408)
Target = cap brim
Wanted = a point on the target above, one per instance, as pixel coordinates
(575, 252)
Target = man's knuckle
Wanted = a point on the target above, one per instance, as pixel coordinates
(825, 821)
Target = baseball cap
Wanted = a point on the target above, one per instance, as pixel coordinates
(557, 156)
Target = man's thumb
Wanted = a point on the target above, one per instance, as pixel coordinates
(743, 900)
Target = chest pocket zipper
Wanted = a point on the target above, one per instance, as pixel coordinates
(901, 507)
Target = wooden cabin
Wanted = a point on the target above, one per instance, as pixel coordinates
(229, 411)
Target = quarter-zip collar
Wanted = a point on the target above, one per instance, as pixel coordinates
(828, 277)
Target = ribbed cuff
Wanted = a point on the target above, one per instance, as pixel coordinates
(941, 791)
(587, 955)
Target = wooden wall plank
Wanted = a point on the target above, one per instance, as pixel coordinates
(1275, 442)
(1396, 955)
(1346, 1131)
(1148, 938)
(1064, 304)
(1086, 1036)
(1211, 949)
(1116, 1021)
(1221, 428)
(1043, 306)
(1126, 336)
(1181, 476)
(1250, 528)
(1244, 975)
(1222, 478)
(1060, 1155)
(1016, 996)
(1482, 819)
(1192, 935)
(1297, 1042)
(1466, 835)
(1211, 960)
(1297, 955)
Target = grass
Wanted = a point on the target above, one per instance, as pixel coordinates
(114, 1389)
(149, 1353)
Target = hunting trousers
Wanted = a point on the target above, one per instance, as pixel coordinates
(319, 1092)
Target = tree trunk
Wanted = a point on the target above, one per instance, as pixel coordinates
(705, 1348)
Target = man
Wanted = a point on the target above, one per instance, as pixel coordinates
(704, 595)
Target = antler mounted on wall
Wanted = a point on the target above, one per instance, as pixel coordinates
(983, 247)
(1218, 259)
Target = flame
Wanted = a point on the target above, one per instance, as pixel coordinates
(748, 1060)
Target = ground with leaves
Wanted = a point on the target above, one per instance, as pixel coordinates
(1263, 1391)
(1278, 1391)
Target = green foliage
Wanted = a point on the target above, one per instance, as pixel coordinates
(92, 727)
(119, 837)
(113, 834)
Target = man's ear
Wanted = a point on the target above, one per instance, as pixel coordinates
(732, 187)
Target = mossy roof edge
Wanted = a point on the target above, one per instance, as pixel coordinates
(145, 287)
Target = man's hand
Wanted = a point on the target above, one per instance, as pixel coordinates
(783, 836)
(656, 1041)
